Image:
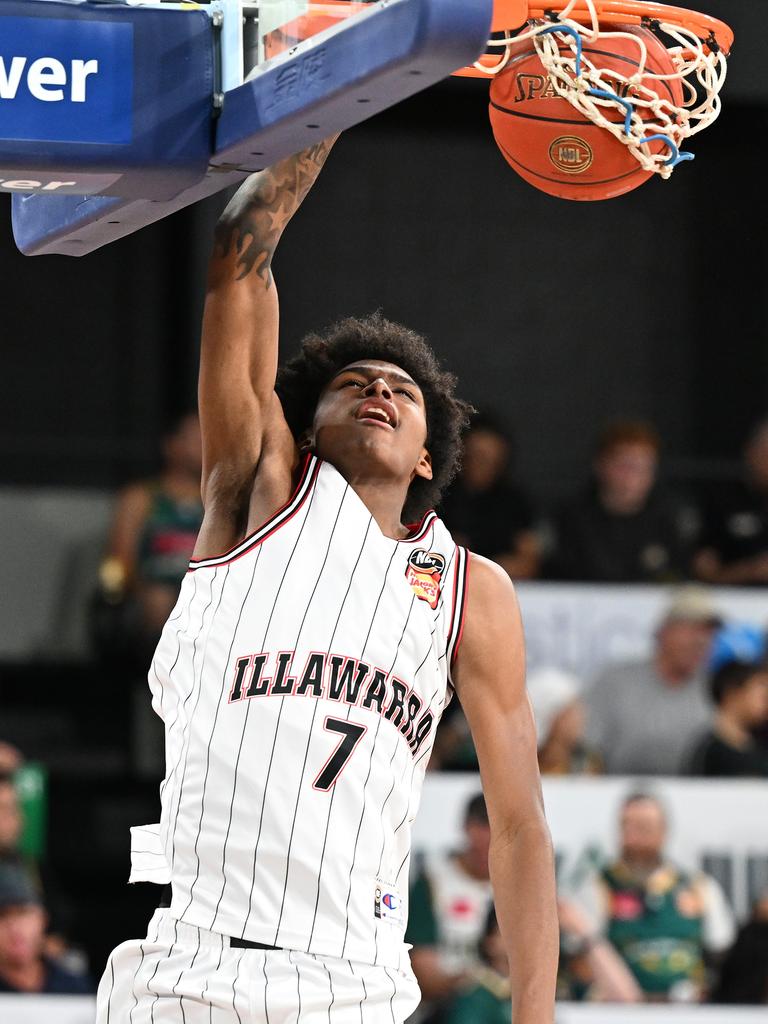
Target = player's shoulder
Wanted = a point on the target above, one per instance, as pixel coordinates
(488, 581)
(492, 611)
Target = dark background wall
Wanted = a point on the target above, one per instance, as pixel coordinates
(555, 314)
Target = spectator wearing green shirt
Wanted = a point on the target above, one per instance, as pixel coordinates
(449, 901)
(662, 921)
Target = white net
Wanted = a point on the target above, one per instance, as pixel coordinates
(699, 66)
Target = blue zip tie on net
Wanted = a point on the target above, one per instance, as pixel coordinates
(677, 157)
(606, 94)
(568, 31)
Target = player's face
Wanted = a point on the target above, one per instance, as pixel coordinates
(371, 418)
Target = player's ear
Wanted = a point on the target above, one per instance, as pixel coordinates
(424, 465)
(307, 441)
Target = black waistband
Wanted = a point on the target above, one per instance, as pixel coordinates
(165, 901)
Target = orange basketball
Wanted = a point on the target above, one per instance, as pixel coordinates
(551, 144)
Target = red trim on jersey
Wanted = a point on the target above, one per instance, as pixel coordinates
(416, 531)
(254, 536)
(458, 606)
(463, 607)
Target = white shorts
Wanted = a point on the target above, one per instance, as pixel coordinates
(181, 974)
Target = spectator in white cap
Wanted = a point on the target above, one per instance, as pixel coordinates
(560, 721)
(644, 716)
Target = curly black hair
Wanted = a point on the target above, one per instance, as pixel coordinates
(301, 381)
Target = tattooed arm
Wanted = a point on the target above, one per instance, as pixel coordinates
(249, 456)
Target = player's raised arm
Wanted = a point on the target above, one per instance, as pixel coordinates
(490, 681)
(239, 412)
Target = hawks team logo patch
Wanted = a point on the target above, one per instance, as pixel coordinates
(424, 572)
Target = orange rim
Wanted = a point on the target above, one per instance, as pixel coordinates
(512, 14)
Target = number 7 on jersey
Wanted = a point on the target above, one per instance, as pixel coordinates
(351, 735)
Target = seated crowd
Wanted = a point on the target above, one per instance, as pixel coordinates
(35, 956)
(626, 526)
(635, 928)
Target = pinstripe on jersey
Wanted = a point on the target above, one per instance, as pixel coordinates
(301, 679)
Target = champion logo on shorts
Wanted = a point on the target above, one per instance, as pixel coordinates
(424, 573)
(388, 904)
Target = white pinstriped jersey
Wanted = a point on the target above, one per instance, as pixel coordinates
(301, 678)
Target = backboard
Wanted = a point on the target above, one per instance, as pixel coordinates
(213, 92)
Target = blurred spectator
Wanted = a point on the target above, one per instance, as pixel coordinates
(625, 528)
(660, 919)
(734, 544)
(744, 973)
(10, 759)
(488, 998)
(39, 875)
(590, 968)
(644, 717)
(560, 721)
(23, 964)
(154, 529)
(448, 906)
(10, 823)
(487, 513)
(740, 694)
(454, 749)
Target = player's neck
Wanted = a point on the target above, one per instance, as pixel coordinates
(385, 503)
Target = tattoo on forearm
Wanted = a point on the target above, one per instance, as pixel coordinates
(254, 220)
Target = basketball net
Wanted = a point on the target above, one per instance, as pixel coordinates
(699, 66)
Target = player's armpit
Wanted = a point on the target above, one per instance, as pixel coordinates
(239, 351)
(489, 676)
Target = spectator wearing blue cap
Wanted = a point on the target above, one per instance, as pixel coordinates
(740, 692)
(23, 965)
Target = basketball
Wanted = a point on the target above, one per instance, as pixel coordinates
(551, 144)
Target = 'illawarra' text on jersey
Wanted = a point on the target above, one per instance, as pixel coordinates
(301, 678)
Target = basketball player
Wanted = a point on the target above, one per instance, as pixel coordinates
(303, 671)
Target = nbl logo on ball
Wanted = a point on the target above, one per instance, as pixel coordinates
(570, 154)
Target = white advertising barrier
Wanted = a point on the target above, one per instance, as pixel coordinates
(581, 628)
(77, 1010)
(584, 1013)
(47, 1009)
(720, 826)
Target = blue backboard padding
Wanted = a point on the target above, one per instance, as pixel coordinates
(380, 57)
(66, 80)
(347, 74)
(158, 63)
